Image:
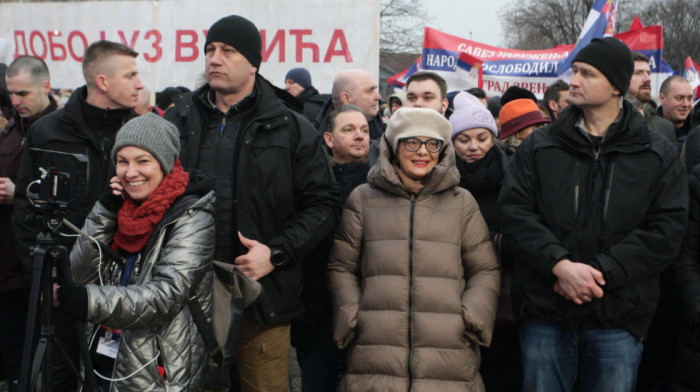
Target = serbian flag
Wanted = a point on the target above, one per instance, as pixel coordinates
(690, 73)
(399, 80)
(649, 41)
(460, 70)
(636, 23)
(470, 71)
(396, 79)
(599, 23)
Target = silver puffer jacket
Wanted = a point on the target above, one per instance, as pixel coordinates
(152, 311)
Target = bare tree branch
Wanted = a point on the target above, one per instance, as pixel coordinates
(681, 22)
(542, 24)
(402, 24)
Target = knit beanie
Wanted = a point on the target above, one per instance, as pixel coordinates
(469, 113)
(494, 106)
(517, 92)
(299, 75)
(519, 114)
(165, 97)
(411, 122)
(240, 33)
(611, 57)
(153, 134)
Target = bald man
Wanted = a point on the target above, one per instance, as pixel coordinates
(356, 87)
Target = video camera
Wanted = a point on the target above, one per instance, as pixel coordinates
(63, 177)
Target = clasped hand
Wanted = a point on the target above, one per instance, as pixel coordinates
(578, 282)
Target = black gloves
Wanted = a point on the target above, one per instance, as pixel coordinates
(73, 300)
(110, 201)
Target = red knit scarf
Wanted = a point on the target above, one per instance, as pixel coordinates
(135, 222)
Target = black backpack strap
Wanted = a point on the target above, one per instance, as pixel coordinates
(205, 329)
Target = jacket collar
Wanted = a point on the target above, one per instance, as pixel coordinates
(73, 112)
(266, 98)
(23, 124)
(629, 130)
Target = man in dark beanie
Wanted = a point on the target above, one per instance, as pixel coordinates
(276, 197)
(598, 204)
(298, 83)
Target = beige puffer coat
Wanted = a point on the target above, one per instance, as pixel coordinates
(414, 282)
(153, 312)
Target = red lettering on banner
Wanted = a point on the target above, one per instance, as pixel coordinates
(540, 89)
(497, 86)
(33, 35)
(533, 87)
(300, 44)
(344, 51)
(103, 36)
(158, 37)
(277, 41)
(79, 34)
(134, 37)
(53, 46)
(190, 44)
(20, 34)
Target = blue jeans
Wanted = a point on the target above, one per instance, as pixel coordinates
(553, 356)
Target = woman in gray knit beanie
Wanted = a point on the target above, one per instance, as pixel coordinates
(153, 134)
(163, 227)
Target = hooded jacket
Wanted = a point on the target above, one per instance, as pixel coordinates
(620, 207)
(414, 283)
(153, 312)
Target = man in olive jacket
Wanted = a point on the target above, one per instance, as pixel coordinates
(598, 204)
(276, 198)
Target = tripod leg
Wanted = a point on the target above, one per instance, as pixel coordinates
(37, 271)
(89, 381)
(38, 359)
(67, 358)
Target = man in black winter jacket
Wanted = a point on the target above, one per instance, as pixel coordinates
(598, 204)
(298, 83)
(86, 125)
(29, 86)
(276, 198)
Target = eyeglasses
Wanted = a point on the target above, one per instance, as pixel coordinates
(413, 144)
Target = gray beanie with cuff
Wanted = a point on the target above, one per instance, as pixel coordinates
(153, 134)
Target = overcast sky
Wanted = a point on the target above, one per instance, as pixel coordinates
(460, 17)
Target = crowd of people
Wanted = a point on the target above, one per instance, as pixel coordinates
(445, 241)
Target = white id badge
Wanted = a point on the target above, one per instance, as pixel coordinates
(108, 348)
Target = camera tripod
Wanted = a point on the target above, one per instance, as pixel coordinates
(48, 257)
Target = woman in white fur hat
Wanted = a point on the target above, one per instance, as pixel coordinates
(413, 275)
